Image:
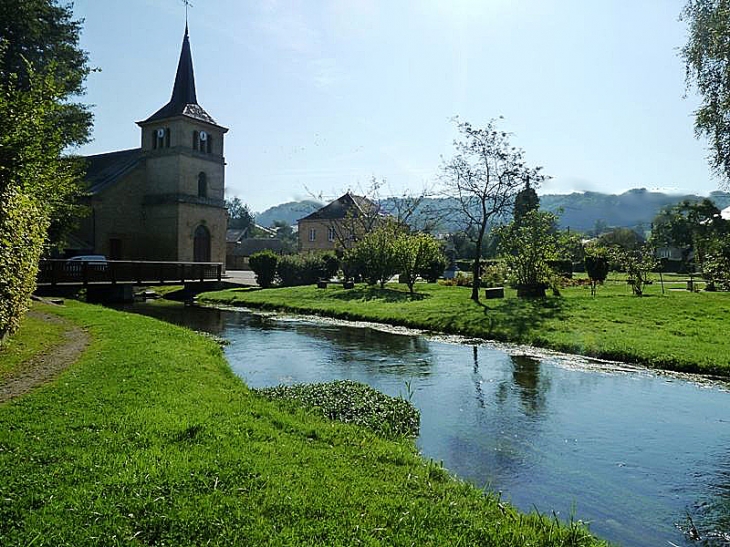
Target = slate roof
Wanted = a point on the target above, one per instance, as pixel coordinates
(184, 101)
(103, 170)
(341, 207)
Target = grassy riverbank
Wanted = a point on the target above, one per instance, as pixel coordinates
(677, 330)
(149, 439)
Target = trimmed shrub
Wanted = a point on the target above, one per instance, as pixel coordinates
(307, 268)
(353, 402)
(23, 227)
(263, 265)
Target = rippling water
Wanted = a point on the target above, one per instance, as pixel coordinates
(635, 453)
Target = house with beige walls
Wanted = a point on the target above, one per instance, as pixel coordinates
(338, 224)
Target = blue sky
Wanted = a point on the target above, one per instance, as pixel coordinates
(322, 95)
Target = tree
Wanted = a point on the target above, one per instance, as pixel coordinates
(374, 255)
(483, 179)
(626, 238)
(414, 253)
(527, 246)
(41, 39)
(707, 59)
(240, 216)
(597, 266)
(637, 263)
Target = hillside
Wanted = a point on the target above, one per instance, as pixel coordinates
(579, 211)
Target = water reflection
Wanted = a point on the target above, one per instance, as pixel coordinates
(632, 453)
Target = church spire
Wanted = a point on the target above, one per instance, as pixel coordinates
(184, 100)
(183, 92)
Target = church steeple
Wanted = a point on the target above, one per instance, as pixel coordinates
(184, 101)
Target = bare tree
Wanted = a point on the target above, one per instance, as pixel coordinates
(483, 178)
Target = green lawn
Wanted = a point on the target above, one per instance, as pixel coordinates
(676, 330)
(36, 336)
(150, 439)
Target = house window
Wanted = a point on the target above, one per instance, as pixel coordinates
(312, 234)
(330, 234)
(202, 185)
(161, 138)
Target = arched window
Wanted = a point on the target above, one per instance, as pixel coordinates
(161, 138)
(196, 140)
(208, 144)
(202, 185)
(201, 244)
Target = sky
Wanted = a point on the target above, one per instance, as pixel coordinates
(322, 96)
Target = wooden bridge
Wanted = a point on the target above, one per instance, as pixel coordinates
(53, 273)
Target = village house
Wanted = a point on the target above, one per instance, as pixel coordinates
(338, 224)
(165, 199)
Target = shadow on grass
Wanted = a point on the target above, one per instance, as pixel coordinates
(376, 293)
(520, 319)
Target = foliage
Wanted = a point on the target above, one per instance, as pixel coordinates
(597, 266)
(707, 58)
(625, 238)
(22, 231)
(289, 239)
(461, 279)
(264, 265)
(495, 274)
(525, 201)
(435, 267)
(637, 263)
(35, 184)
(353, 402)
(679, 330)
(40, 39)
(527, 246)
(374, 255)
(306, 268)
(716, 265)
(240, 216)
(413, 254)
(483, 179)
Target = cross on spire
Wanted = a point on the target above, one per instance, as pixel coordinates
(188, 4)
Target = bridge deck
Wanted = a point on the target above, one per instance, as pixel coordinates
(137, 272)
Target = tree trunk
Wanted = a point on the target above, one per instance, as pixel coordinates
(476, 278)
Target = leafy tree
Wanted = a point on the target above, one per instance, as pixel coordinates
(483, 179)
(527, 247)
(691, 227)
(707, 58)
(240, 216)
(40, 39)
(264, 265)
(716, 266)
(374, 255)
(626, 238)
(637, 263)
(597, 266)
(289, 239)
(414, 253)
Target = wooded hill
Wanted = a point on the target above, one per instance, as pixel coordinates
(580, 211)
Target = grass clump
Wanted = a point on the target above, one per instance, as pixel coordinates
(150, 439)
(355, 403)
(678, 330)
(37, 336)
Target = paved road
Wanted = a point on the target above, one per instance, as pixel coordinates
(240, 277)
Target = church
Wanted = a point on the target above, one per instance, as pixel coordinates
(165, 199)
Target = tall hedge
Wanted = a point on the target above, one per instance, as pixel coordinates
(23, 227)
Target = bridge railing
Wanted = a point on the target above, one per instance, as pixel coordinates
(140, 272)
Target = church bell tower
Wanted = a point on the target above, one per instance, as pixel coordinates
(182, 146)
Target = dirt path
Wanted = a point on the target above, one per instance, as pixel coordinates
(45, 366)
